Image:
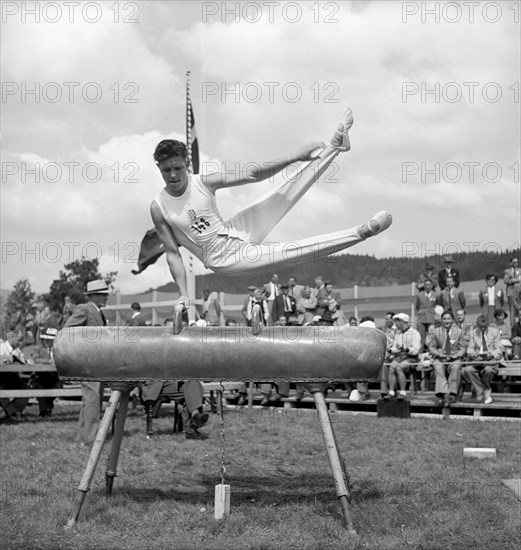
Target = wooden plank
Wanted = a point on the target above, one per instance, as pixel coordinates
(19, 367)
(13, 394)
(479, 452)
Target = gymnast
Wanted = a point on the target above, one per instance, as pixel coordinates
(185, 213)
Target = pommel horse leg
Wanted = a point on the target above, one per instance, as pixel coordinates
(335, 460)
(112, 463)
(95, 453)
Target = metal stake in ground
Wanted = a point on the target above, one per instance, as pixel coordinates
(222, 491)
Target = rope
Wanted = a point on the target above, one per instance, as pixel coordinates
(221, 433)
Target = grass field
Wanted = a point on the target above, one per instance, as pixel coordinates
(412, 488)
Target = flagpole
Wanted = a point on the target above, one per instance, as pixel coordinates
(190, 272)
(188, 124)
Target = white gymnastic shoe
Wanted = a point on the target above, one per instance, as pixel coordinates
(377, 224)
(340, 139)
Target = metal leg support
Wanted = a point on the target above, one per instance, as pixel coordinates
(335, 460)
(112, 463)
(95, 453)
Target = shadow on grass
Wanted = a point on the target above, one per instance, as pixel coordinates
(255, 491)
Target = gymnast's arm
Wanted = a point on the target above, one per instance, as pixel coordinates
(257, 173)
(173, 256)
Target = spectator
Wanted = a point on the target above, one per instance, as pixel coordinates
(427, 274)
(10, 353)
(504, 331)
(309, 305)
(319, 291)
(41, 318)
(512, 280)
(516, 340)
(68, 308)
(353, 321)
(45, 380)
(404, 357)
(212, 311)
(285, 306)
(264, 308)
(389, 330)
(447, 347)
(90, 315)
(271, 291)
(491, 298)
(449, 271)
(462, 324)
(424, 305)
(334, 302)
(451, 298)
(247, 304)
(136, 320)
(484, 345)
(295, 290)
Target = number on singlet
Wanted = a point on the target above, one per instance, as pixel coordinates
(200, 225)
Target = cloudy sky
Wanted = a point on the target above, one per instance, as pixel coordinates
(89, 90)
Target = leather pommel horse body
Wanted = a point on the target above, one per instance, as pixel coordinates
(122, 356)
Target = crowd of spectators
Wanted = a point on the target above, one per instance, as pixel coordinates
(442, 338)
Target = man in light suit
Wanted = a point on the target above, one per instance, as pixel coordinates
(512, 280)
(447, 347)
(449, 271)
(484, 346)
(137, 319)
(271, 291)
(90, 315)
(452, 298)
(491, 298)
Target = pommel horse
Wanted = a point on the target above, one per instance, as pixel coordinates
(123, 356)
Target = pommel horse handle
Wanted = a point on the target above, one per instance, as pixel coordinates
(256, 325)
(178, 318)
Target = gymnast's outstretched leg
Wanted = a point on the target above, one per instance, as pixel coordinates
(261, 216)
(250, 258)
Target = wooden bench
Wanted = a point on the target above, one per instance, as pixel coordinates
(20, 368)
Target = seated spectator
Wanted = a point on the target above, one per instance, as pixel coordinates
(462, 323)
(257, 299)
(403, 356)
(504, 330)
(353, 322)
(424, 305)
(309, 305)
(247, 305)
(447, 347)
(10, 353)
(428, 274)
(389, 330)
(451, 298)
(136, 319)
(212, 311)
(491, 298)
(484, 346)
(516, 340)
(334, 303)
